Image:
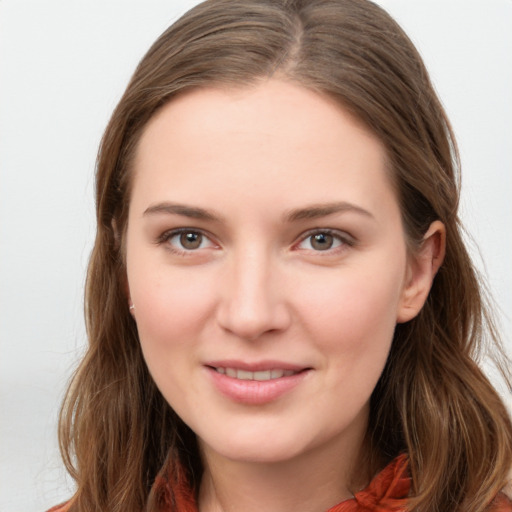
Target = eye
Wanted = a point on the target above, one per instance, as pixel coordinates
(186, 240)
(324, 241)
(189, 240)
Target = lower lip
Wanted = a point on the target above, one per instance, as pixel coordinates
(255, 392)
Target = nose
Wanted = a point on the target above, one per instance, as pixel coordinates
(253, 298)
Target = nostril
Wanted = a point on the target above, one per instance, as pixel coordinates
(251, 329)
(251, 303)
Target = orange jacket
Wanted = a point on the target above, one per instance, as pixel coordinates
(387, 492)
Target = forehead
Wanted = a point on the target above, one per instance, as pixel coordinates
(275, 137)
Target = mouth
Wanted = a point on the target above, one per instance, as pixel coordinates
(260, 375)
(256, 383)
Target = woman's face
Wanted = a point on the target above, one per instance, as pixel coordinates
(267, 264)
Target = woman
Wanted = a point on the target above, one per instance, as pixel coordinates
(280, 308)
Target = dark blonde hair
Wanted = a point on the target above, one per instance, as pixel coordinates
(432, 401)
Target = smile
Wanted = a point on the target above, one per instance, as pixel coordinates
(258, 383)
(262, 375)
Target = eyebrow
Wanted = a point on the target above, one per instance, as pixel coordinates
(310, 212)
(192, 212)
(322, 210)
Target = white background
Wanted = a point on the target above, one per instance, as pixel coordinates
(63, 66)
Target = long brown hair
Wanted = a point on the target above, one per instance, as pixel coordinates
(432, 401)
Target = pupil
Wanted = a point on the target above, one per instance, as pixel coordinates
(190, 240)
(322, 241)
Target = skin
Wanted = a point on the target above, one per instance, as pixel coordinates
(254, 285)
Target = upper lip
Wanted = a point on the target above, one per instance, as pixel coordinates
(256, 366)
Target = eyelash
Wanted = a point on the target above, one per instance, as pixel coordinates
(342, 239)
(166, 237)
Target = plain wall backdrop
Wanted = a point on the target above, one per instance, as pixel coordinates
(63, 67)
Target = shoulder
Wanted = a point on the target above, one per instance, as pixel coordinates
(63, 507)
(507, 491)
(502, 503)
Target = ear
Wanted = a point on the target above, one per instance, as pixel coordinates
(422, 268)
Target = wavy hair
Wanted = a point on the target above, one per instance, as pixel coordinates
(432, 401)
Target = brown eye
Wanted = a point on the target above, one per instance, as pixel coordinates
(325, 241)
(185, 241)
(322, 241)
(191, 240)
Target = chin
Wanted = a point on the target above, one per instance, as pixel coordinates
(263, 449)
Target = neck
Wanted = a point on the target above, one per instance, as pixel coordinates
(312, 481)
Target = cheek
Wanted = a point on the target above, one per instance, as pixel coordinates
(171, 311)
(355, 312)
(352, 322)
(170, 305)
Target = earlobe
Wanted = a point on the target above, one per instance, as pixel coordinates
(422, 269)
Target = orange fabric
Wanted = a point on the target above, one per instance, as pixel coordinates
(172, 491)
(64, 507)
(387, 492)
(501, 504)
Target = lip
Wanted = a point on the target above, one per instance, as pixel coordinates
(255, 392)
(255, 366)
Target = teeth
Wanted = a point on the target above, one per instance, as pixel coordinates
(262, 375)
(243, 375)
(231, 372)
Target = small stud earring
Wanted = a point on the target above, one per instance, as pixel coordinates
(132, 307)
